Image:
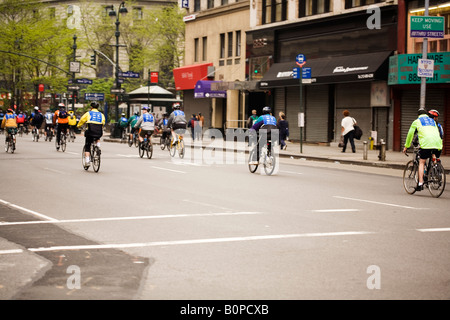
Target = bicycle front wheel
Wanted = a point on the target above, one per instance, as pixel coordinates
(436, 180)
(141, 149)
(410, 177)
(95, 154)
(149, 151)
(252, 167)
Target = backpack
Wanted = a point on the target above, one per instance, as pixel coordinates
(358, 132)
(38, 118)
(63, 114)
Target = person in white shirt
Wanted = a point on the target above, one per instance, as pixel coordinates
(348, 131)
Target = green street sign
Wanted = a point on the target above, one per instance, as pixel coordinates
(403, 68)
(426, 27)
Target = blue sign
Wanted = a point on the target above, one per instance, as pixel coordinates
(129, 74)
(300, 58)
(185, 4)
(94, 96)
(83, 81)
(296, 73)
(306, 73)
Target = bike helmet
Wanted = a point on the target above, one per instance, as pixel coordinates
(266, 110)
(36, 108)
(144, 108)
(61, 105)
(176, 107)
(421, 111)
(10, 111)
(94, 104)
(433, 113)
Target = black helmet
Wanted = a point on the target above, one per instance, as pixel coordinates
(266, 110)
(94, 105)
(421, 111)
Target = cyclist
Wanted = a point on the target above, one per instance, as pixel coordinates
(36, 119)
(265, 122)
(20, 119)
(177, 122)
(132, 121)
(2, 115)
(435, 114)
(95, 121)
(147, 124)
(429, 139)
(163, 125)
(62, 117)
(9, 123)
(48, 122)
(72, 122)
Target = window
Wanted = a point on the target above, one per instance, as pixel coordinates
(222, 45)
(196, 49)
(230, 44)
(312, 7)
(223, 2)
(358, 3)
(273, 11)
(137, 14)
(210, 4)
(204, 48)
(238, 43)
(196, 5)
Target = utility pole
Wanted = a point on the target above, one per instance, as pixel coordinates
(423, 81)
(74, 92)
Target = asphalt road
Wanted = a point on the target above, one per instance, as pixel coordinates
(206, 228)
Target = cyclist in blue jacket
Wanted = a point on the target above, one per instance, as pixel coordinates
(268, 123)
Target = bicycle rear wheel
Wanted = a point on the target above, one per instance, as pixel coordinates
(141, 149)
(172, 149)
(181, 148)
(252, 167)
(410, 177)
(436, 180)
(269, 163)
(96, 158)
(63, 143)
(162, 143)
(149, 151)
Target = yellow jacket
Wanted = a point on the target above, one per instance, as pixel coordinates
(72, 120)
(9, 121)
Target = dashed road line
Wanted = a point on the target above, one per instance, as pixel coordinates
(34, 213)
(380, 203)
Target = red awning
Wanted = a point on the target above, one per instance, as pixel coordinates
(186, 77)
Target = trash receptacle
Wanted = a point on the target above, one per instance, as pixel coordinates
(115, 130)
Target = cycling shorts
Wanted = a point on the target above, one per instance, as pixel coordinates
(427, 153)
(142, 133)
(179, 126)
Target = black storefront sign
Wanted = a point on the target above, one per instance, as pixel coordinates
(354, 68)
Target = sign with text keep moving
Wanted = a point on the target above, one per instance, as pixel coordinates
(427, 27)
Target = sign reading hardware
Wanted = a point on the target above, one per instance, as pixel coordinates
(426, 27)
(403, 68)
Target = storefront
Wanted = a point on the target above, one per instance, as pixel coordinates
(405, 85)
(159, 100)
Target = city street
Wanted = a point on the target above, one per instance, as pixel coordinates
(172, 229)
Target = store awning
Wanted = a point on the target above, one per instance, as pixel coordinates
(354, 68)
(186, 77)
(203, 90)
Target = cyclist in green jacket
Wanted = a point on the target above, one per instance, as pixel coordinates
(131, 122)
(429, 139)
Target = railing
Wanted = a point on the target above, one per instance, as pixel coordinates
(235, 124)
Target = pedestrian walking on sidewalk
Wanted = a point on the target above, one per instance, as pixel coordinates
(283, 126)
(252, 119)
(348, 131)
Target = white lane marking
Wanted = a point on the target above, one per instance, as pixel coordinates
(129, 218)
(381, 203)
(73, 153)
(12, 251)
(206, 204)
(336, 210)
(196, 241)
(291, 172)
(55, 171)
(433, 230)
(128, 155)
(171, 170)
(37, 214)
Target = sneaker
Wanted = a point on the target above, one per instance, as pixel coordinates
(419, 188)
(87, 161)
(253, 162)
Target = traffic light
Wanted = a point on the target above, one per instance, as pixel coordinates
(94, 59)
(257, 69)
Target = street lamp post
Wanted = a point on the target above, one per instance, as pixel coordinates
(113, 13)
(74, 92)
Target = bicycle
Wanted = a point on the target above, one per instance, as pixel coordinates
(21, 129)
(434, 175)
(146, 146)
(48, 134)
(35, 132)
(72, 135)
(267, 155)
(62, 142)
(178, 146)
(165, 142)
(133, 140)
(10, 140)
(95, 154)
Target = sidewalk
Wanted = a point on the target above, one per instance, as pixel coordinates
(332, 153)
